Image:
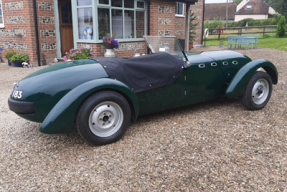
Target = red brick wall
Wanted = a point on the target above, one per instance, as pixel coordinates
(18, 19)
(197, 9)
(164, 22)
(47, 33)
(126, 50)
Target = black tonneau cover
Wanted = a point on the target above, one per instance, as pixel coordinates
(145, 72)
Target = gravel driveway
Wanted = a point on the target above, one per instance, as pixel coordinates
(211, 146)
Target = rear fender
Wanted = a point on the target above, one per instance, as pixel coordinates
(61, 118)
(239, 82)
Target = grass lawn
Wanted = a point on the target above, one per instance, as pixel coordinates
(273, 43)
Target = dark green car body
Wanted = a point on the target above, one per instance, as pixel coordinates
(58, 91)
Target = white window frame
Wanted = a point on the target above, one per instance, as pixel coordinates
(2, 24)
(176, 14)
(95, 5)
(248, 7)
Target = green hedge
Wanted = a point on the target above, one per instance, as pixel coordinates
(242, 23)
(213, 24)
(281, 28)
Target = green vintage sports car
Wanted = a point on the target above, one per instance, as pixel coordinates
(101, 96)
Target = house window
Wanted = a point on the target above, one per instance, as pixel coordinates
(85, 23)
(248, 7)
(1, 15)
(121, 19)
(179, 9)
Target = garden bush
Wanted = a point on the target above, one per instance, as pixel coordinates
(76, 54)
(19, 57)
(281, 28)
(242, 23)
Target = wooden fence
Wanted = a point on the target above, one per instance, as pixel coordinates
(219, 32)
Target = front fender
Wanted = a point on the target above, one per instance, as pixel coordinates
(239, 82)
(61, 118)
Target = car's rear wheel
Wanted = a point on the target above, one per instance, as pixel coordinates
(103, 118)
(258, 91)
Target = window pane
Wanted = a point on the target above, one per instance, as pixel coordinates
(85, 21)
(117, 23)
(140, 24)
(1, 19)
(129, 24)
(66, 12)
(104, 2)
(117, 3)
(140, 4)
(65, 6)
(65, 18)
(179, 9)
(84, 2)
(129, 3)
(103, 23)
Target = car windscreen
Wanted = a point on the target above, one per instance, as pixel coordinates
(168, 44)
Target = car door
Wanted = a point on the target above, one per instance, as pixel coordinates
(204, 79)
(163, 98)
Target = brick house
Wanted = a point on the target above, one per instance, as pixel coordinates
(63, 24)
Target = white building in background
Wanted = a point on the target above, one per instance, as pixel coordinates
(255, 9)
(240, 5)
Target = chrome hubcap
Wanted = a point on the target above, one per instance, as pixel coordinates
(106, 119)
(260, 91)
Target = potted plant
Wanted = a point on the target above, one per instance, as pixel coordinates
(76, 54)
(10, 52)
(110, 43)
(191, 30)
(17, 59)
(8, 56)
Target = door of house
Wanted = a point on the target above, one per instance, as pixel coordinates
(66, 25)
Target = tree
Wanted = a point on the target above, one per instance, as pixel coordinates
(280, 6)
(281, 26)
(237, 1)
(192, 27)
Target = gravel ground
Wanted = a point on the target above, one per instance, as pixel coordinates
(211, 146)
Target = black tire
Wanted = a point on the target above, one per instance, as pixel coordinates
(262, 84)
(106, 108)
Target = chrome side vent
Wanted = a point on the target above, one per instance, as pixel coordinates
(201, 66)
(225, 63)
(234, 62)
(213, 64)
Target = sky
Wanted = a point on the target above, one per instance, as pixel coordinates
(216, 1)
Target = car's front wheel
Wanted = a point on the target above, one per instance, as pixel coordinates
(258, 91)
(103, 118)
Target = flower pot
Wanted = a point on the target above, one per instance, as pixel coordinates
(17, 64)
(9, 62)
(190, 45)
(110, 53)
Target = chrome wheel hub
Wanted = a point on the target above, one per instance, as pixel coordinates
(106, 119)
(260, 91)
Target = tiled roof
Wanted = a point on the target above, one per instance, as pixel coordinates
(258, 7)
(218, 11)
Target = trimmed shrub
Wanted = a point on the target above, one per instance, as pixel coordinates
(281, 26)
